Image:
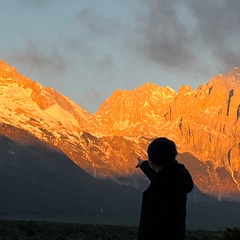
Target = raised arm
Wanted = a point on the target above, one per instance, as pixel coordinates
(147, 170)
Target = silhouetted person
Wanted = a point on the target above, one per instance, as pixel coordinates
(163, 212)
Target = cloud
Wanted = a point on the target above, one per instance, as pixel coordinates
(217, 28)
(190, 35)
(97, 24)
(103, 35)
(45, 62)
(165, 39)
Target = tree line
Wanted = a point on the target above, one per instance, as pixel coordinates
(42, 230)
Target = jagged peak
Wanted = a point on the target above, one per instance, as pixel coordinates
(9, 75)
(8, 71)
(139, 95)
(206, 124)
(230, 80)
(235, 72)
(49, 101)
(6, 66)
(185, 89)
(148, 86)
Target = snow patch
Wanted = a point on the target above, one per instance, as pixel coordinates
(59, 114)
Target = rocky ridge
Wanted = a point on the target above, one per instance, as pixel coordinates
(202, 122)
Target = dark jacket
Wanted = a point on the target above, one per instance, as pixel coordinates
(163, 212)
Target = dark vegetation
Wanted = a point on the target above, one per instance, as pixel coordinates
(42, 230)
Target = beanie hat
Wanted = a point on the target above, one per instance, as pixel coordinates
(162, 151)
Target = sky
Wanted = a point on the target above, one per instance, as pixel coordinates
(87, 49)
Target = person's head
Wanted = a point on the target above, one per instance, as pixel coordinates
(162, 152)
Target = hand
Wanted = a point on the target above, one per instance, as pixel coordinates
(140, 161)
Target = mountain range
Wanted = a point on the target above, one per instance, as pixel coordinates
(52, 147)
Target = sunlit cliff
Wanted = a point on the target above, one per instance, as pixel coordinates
(204, 123)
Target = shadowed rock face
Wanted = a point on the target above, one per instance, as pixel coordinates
(204, 123)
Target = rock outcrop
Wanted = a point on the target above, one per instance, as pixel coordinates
(204, 123)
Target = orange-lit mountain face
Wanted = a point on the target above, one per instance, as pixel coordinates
(204, 123)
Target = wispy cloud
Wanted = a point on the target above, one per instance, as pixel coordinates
(217, 28)
(35, 58)
(97, 24)
(165, 38)
(100, 45)
(190, 35)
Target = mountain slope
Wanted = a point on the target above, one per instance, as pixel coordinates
(137, 112)
(25, 100)
(38, 181)
(204, 123)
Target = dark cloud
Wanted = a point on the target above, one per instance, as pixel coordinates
(190, 35)
(165, 38)
(47, 63)
(97, 24)
(217, 28)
